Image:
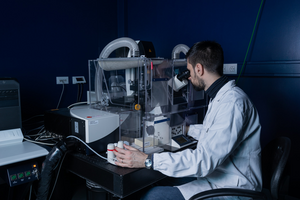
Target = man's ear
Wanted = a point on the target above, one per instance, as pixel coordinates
(199, 69)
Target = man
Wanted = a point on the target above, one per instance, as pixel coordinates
(228, 149)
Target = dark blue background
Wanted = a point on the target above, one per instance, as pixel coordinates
(40, 40)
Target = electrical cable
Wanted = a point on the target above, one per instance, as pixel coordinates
(33, 135)
(81, 91)
(74, 104)
(63, 88)
(33, 124)
(72, 136)
(30, 190)
(77, 92)
(36, 128)
(50, 144)
(46, 139)
(40, 127)
(32, 118)
(41, 131)
(61, 162)
(250, 40)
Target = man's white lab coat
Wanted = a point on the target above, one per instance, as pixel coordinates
(228, 150)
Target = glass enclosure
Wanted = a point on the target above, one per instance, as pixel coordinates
(140, 90)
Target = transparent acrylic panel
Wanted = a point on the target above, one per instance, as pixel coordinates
(156, 129)
(140, 91)
(157, 90)
(130, 126)
(92, 72)
(123, 91)
(117, 81)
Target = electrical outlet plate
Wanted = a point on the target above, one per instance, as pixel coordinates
(230, 68)
(62, 80)
(78, 79)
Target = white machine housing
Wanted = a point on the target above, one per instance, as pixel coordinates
(98, 124)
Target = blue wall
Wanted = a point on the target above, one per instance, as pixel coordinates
(271, 76)
(168, 23)
(40, 40)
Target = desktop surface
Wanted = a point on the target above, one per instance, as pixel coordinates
(119, 181)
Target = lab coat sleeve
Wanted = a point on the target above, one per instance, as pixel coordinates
(194, 131)
(220, 135)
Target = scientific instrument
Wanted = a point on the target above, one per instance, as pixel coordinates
(143, 101)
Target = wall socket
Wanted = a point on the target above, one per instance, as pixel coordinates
(230, 68)
(62, 80)
(78, 79)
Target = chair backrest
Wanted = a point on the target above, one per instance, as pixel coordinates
(274, 158)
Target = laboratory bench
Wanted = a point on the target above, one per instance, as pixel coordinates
(118, 181)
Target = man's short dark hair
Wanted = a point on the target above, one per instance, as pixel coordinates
(209, 54)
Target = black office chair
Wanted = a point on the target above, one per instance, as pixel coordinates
(274, 157)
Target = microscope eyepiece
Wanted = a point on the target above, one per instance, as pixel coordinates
(184, 75)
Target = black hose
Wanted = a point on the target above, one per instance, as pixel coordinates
(48, 167)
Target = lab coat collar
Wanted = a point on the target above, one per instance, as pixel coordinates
(229, 85)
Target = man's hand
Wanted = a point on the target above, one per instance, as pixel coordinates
(131, 157)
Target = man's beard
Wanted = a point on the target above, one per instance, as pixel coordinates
(200, 85)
